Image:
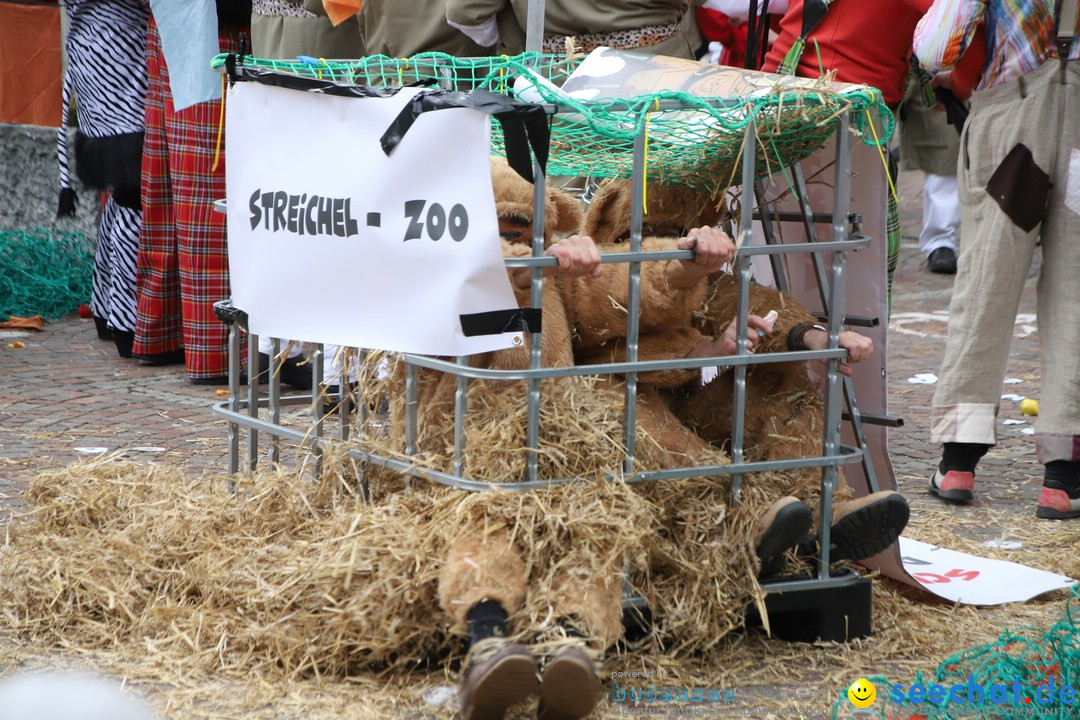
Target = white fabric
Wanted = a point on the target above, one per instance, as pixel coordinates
(740, 9)
(486, 34)
(1072, 183)
(716, 49)
(332, 366)
(941, 213)
(295, 350)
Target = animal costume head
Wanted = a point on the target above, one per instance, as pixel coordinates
(671, 212)
(514, 205)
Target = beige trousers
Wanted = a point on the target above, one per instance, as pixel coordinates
(1019, 181)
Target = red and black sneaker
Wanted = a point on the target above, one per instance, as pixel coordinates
(955, 486)
(1058, 501)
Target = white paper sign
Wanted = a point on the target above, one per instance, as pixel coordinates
(974, 580)
(332, 241)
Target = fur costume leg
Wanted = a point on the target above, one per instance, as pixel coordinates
(590, 605)
(672, 444)
(783, 412)
(483, 567)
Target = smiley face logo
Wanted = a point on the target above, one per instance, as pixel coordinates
(862, 693)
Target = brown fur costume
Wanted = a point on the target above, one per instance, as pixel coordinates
(588, 316)
(783, 406)
(487, 565)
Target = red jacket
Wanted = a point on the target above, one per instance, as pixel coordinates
(716, 26)
(864, 41)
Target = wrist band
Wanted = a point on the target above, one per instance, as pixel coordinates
(796, 337)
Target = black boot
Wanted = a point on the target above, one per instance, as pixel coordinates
(103, 331)
(124, 340)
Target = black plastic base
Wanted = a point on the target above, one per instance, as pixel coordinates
(837, 613)
(637, 619)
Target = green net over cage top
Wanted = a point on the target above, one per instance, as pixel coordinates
(694, 133)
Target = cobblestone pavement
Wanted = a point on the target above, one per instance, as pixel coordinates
(67, 390)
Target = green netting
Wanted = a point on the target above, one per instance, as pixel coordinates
(698, 145)
(1015, 674)
(43, 272)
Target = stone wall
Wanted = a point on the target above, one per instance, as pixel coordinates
(30, 183)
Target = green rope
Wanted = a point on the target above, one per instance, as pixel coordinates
(44, 273)
(699, 146)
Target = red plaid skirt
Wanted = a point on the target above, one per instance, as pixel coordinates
(183, 265)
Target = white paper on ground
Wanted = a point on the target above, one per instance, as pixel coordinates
(440, 695)
(974, 580)
(923, 379)
(1003, 544)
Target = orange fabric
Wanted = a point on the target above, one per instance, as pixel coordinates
(968, 71)
(30, 74)
(23, 323)
(341, 10)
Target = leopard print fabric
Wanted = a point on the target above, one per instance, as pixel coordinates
(280, 8)
(617, 40)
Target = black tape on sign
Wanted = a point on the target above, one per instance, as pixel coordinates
(249, 73)
(523, 124)
(497, 322)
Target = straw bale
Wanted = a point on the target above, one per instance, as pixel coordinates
(286, 575)
(581, 428)
(289, 576)
(699, 569)
(283, 547)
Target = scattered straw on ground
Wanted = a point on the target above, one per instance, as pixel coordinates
(292, 598)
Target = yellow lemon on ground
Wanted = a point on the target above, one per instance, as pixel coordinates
(862, 693)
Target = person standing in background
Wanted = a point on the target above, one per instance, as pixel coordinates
(659, 27)
(839, 41)
(930, 144)
(402, 30)
(285, 29)
(183, 266)
(106, 46)
(1018, 180)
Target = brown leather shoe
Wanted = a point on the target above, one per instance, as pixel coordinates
(784, 524)
(868, 525)
(569, 688)
(499, 675)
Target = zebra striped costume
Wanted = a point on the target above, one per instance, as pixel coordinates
(106, 48)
